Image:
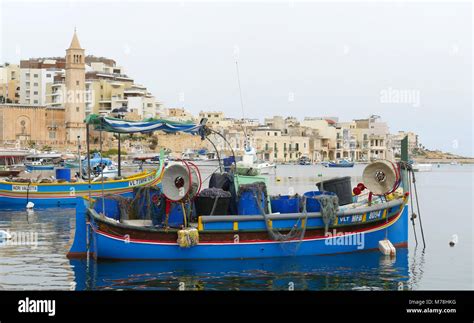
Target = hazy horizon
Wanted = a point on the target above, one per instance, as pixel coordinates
(410, 63)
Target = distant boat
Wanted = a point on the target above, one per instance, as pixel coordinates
(38, 166)
(340, 163)
(42, 161)
(250, 165)
(9, 172)
(422, 167)
(304, 161)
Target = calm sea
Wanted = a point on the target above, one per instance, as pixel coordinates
(446, 199)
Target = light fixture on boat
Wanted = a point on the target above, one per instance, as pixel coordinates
(181, 181)
(381, 177)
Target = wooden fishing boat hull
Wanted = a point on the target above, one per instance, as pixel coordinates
(64, 194)
(13, 173)
(246, 239)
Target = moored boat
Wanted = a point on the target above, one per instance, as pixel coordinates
(422, 167)
(339, 163)
(9, 172)
(238, 219)
(19, 193)
(234, 237)
(251, 166)
(304, 160)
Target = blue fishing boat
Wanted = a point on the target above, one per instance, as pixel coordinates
(38, 166)
(339, 163)
(239, 236)
(18, 192)
(164, 223)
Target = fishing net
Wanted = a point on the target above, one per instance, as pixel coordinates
(329, 206)
(214, 192)
(148, 203)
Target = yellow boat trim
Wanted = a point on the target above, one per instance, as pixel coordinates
(127, 179)
(200, 226)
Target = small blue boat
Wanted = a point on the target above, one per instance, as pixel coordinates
(33, 167)
(339, 163)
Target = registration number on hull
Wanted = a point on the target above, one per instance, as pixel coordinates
(140, 181)
(24, 188)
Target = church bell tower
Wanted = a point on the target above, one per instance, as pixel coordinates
(75, 92)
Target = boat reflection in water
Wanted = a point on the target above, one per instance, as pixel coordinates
(356, 271)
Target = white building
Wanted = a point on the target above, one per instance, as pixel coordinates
(34, 79)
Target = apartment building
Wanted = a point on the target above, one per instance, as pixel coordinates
(36, 74)
(10, 83)
(272, 145)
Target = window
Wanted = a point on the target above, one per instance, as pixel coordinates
(36, 101)
(77, 82)
(52, 135)
(35, 75)
(48, 75)
(77, 109)
(35, 92)
(35, 84)
(276, 133)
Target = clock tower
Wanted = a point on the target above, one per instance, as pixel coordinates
(75, 92)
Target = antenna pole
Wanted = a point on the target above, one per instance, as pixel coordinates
(241, 104)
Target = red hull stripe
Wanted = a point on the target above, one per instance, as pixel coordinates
(371, 229)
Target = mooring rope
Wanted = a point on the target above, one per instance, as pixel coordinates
(418, 209)
(277, 236)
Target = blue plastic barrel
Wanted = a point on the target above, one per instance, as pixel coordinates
(176, 215)
(312, 203)
(248, 204)
(285, 204)
(64, 174)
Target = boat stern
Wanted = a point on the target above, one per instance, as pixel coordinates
(79, 246)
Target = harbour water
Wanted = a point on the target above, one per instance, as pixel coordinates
(37, 261)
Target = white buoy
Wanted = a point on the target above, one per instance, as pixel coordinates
(30, 205)
(387, 248)
(454, 240)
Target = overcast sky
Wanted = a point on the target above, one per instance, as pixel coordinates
(409, 63)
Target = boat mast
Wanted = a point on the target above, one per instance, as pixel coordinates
(79, 155)
(88, 159)
(246, 141)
